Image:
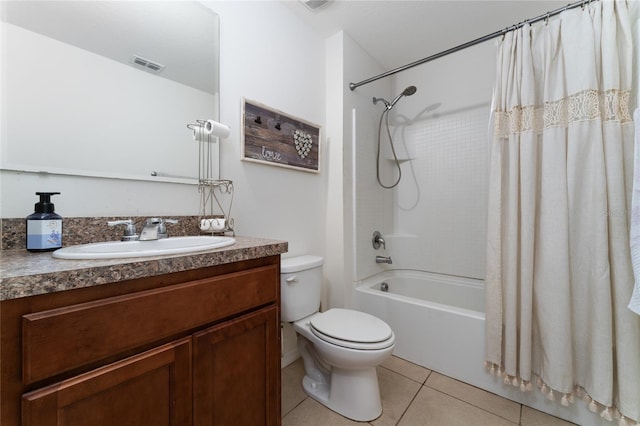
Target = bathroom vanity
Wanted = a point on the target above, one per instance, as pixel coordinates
(171, 340)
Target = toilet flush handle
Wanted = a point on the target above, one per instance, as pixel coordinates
(292, 279)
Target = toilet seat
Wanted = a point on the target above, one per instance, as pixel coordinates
(352, 329)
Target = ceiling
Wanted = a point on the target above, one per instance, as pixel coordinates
(398, 32)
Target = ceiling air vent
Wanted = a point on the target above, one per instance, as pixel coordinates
(147, 64)
(314, 4)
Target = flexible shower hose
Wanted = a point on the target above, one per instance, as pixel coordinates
(385, 116)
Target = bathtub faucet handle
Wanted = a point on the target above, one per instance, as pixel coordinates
(378, 241)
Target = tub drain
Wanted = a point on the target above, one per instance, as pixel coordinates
(384, 287)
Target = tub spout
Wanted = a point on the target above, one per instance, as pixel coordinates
(384, 259)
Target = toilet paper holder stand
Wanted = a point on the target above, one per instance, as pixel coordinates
(216, 195)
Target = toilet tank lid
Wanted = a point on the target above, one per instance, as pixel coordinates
(299, 263)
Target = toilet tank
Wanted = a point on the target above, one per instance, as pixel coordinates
(300, 287)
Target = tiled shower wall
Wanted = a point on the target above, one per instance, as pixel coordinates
(438, 215)
(435, 220)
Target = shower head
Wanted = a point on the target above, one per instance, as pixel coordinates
(409, 91)
(406, 92)
(388, 105)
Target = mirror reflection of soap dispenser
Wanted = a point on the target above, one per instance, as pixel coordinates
(44, 226)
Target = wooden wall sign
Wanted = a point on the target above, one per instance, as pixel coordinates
(273, 137)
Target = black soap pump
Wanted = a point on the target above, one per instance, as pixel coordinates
(44, 226)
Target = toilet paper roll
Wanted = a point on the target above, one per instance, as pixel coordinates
(218, 224)
(215, 224)
(213, 128)
(205, 225)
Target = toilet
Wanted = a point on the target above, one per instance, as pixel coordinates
(341, 348)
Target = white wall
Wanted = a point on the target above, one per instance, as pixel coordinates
(634, 11)
(349, 122)
(337, 261)
(268, 55)
(366, 201)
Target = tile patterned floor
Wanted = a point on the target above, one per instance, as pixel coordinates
(413, 396)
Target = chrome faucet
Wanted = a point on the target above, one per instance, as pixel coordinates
(155, 228)
(378, 241)
(384, 259)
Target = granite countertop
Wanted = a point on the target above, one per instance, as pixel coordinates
(23, 273)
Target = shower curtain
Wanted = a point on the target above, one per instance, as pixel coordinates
(559, 275)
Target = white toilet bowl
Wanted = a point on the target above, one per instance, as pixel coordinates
(341, 349)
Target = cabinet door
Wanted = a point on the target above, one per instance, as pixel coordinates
(152, 388)
(236, 372)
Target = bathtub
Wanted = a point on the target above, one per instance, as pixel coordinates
(438, 321)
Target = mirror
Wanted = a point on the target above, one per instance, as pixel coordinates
(106, 88)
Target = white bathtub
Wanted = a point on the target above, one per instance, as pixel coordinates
(438, 321)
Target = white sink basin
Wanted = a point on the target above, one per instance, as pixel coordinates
(123, 249)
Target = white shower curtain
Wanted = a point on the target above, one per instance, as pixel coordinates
(559, 275)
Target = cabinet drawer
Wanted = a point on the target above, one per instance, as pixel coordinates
(63, 339)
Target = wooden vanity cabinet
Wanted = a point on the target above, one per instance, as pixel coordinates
(189, 348)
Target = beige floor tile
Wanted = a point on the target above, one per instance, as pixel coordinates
(408, 369)
(312, 413)
(475, 396)
(292, 393)
(295, 368)
(397, 392)
(433, 408)
(532, 417)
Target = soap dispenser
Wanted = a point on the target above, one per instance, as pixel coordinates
(44, 226)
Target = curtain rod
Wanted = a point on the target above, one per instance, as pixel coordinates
(500, 33)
